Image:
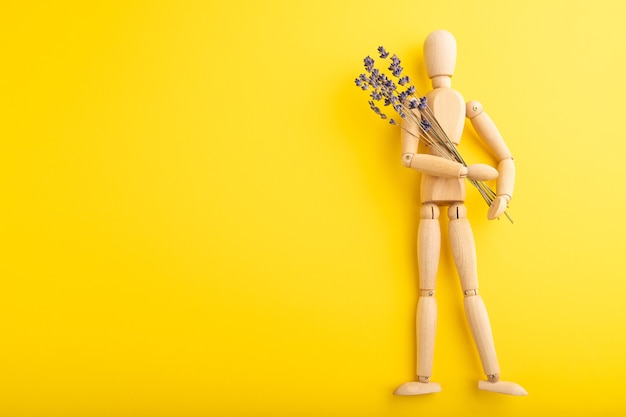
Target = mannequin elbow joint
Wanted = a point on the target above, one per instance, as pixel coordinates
(406, 160)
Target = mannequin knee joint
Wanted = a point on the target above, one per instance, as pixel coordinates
(429, 211)
(457, 211)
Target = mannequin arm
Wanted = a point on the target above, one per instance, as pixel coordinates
(488, 132)
(428, 164)
(409, 133)
(436, 165)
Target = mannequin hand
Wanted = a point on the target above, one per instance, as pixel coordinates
(480, 172)
(498, 206)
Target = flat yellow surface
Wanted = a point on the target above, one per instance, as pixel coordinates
(201, 217)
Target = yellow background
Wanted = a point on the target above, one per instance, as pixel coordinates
(201, 217)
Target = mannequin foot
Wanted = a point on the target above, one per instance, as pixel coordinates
(502, 387)
(417, 388)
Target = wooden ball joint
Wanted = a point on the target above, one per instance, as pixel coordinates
(443, 185)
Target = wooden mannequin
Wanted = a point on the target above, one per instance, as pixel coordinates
(443, 184)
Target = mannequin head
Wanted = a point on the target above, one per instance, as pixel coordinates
(440, 57)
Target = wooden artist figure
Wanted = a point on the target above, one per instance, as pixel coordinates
(443, 185)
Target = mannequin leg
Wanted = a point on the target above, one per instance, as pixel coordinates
(428, 248)
(464, 252)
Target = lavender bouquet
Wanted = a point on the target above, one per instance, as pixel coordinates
(406, 102)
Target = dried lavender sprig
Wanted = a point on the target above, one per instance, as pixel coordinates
(385, 88)
(433, 134)
(439, 133)
(442, 138)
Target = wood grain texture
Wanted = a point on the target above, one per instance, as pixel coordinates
(426, 325)
(481, 331)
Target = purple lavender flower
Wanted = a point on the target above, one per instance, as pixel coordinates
(404, 80)
(425, 124)
(392, 122)
(422, 104)
(383, 88)
(388, 84)
(374, 80)
(395, 67)
(376, 110)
